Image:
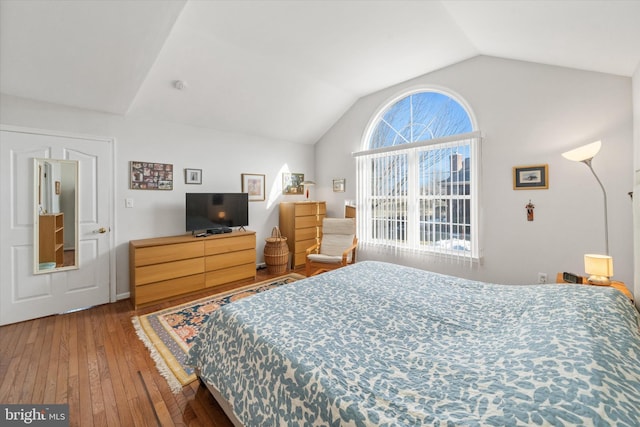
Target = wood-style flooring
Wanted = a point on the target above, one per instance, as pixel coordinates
(94, 361)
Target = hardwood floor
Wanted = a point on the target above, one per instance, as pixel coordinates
(94, 361)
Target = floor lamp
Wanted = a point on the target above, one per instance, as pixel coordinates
(600, 267)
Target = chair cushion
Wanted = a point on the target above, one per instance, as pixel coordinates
(335, 244)
(339, 226)
(325, 259)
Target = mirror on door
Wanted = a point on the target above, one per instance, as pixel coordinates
(55, 215)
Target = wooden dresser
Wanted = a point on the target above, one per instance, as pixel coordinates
(349, 211)
(51, 238)
(166, 267)
(301, 224)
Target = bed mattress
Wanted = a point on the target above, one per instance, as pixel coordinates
(377, 344)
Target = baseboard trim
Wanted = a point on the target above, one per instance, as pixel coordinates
(125, 295)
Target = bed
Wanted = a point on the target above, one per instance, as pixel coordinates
(377, 344)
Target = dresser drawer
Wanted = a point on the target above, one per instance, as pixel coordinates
(168, 288)
(308, 221)
(306, 234)
(168, 270)
(217, 262)
(302, 245)
(223, 245)
(160, 254)
(300, 258)
(304, 209)
(230, 274)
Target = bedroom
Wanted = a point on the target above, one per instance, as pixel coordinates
(508, 97)
(511, 101)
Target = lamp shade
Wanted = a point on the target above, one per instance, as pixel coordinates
(599, 267)
(583, 153)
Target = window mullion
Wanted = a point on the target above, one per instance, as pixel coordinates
(413, 217)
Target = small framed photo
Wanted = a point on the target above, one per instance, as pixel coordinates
(254, 185)
(338, 185)
(535, 177)
(292, 183)
(193, 176)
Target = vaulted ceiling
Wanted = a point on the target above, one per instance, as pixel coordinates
(284, 70)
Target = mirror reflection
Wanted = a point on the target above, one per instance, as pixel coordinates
(55, 223)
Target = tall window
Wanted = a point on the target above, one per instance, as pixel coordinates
(418, 178)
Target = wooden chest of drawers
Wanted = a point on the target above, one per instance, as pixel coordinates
(301, 224)
(167, 267)
(51, 242)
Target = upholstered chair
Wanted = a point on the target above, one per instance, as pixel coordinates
(337, 246)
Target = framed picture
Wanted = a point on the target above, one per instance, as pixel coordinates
(338, 185)
(292, 183)
(535, 177)
(150, 176)
(193, 176)
(254, 185)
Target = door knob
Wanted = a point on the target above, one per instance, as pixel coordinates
(101, 230)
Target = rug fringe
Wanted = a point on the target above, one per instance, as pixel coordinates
(161, 365)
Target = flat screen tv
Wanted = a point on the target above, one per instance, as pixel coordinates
(216, 212)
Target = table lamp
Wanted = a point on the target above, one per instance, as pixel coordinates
(307, 184)
(599, 267)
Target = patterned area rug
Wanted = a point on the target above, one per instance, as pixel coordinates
(169, 333)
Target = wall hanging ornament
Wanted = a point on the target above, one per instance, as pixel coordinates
(529, 207)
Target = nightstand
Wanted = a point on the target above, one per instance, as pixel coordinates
(614, 284)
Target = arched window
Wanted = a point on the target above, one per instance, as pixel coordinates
(418, 177)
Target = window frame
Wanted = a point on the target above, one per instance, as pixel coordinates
(413, 239)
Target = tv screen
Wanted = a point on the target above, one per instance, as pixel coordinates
(211, 211)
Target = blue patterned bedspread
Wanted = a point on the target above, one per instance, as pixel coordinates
(376, 344)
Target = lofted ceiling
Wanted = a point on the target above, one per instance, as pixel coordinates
(284, 70)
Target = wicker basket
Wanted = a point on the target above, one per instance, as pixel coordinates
(276, 252)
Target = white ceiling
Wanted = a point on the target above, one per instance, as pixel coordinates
(285, 70)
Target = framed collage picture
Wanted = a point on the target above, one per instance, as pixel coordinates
(150, 176)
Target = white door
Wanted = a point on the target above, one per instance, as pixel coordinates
(23, 294)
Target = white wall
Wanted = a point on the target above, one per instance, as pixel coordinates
(528, 114)
(223, 157)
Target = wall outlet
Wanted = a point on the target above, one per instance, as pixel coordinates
(542, 277)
